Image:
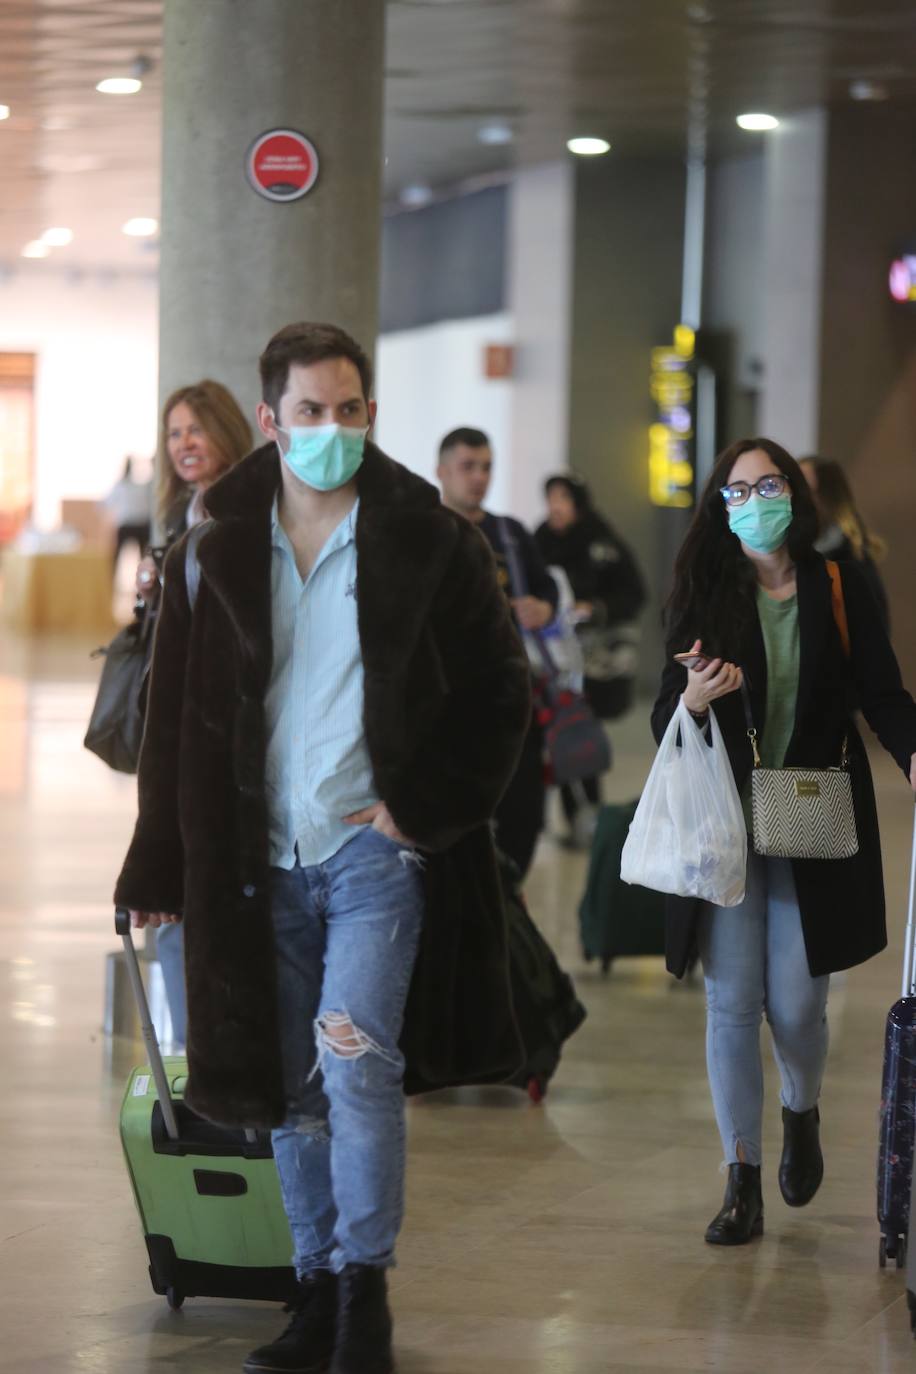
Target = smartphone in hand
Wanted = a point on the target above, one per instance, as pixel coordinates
(694, 662)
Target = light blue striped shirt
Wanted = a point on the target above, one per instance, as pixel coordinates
(318, 768)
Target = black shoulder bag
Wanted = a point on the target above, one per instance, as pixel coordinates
(115, 730)
(116, 724)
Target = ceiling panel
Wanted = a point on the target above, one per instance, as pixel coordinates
(626, 69)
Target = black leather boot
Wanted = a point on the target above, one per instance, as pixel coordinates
(307, 1344)
(363, 1323)
(801, 1168)
(741, 1217)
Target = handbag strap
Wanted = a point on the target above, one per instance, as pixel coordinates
(838, 605)
(749, 721)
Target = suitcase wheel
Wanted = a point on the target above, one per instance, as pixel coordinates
(892, 1247)
(537, 1089)
(174, 1297)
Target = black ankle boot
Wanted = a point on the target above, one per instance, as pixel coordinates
(741, 1217)
(802, 1166)
(307, 1344)
(363, 1323)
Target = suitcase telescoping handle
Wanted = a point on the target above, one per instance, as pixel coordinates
(909, 956)
(122, 927)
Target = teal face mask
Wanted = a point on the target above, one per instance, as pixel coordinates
(762, 524)
(325, 457)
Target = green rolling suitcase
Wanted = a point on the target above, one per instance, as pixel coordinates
(616, 919)
(208, 1196)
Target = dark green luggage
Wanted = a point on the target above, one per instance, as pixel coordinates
(615, 918)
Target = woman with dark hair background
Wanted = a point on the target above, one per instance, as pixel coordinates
(842, 531)
(609, 592)
(753, 602)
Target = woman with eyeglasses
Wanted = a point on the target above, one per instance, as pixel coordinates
(753, 605)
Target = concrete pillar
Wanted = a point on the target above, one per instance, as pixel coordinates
(236, 267)
(541, 233)
(795, 160)
(867, 382)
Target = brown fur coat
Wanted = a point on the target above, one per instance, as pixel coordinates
(446, 709)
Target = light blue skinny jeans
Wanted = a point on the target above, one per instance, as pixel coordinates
(170, 953)
(755, 964)
(346, 935)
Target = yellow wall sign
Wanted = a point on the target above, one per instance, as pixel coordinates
(673, 429)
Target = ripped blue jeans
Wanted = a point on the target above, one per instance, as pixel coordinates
(346, 934)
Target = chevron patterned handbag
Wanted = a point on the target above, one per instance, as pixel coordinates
(803, 813)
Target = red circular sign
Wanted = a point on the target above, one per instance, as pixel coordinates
(282, 165)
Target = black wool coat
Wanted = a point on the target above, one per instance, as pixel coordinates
(447, 703)
(842, 900)
(600, 567)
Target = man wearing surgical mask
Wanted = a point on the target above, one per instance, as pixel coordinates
(347, 698)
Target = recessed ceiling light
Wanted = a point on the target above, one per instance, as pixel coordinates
(415, 197)
(119, 85)
(588, 147)
(4, 111)
(36, 249)
(494, 135)
(867, 90)
(57, 238)
(140, 228)
(757, 123)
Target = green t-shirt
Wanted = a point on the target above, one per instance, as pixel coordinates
(779, 623)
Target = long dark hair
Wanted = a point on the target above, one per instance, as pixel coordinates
(575, 489)
(714, 583)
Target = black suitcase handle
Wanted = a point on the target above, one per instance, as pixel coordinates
(909, 949)
(160, 1078)
(122, 928)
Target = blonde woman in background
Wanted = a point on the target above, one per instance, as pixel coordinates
(203, 434)
(842, 531)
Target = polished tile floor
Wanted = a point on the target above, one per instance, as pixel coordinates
(540, 1240)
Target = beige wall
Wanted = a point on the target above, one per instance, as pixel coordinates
(868, 350)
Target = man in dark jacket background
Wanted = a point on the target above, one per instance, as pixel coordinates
(330, 727)
(465, 470)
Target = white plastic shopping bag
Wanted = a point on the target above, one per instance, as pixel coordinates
(689, 835)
